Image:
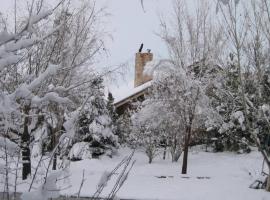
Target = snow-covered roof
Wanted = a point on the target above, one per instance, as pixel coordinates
(133, 91)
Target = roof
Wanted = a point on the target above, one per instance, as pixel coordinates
(133, 93)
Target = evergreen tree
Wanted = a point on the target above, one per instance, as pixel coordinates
(124, 128)
(111, 107)
(95, 125)
(230, 132)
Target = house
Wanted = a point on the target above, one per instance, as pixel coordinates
(142, 83)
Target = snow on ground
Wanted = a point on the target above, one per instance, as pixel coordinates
(211, 176)
(225, 176)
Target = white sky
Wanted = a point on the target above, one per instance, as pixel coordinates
(130, 27)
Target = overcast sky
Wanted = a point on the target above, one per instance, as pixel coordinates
(130, 27)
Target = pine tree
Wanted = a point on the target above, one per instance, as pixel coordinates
(96, 124)
(230, 132)
(111, 108)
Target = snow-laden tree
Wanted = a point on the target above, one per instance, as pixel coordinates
(246, 27)
(41, 67)
(124, 127)
(9, 154)
(111, 107)
(146, 128)
(240, 100)
(112, 114)
(181, 82)
(20, 95)
(228, 127)
(183, 103)
(95, 124)
(178, 93)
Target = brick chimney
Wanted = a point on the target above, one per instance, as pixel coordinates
(140, 62)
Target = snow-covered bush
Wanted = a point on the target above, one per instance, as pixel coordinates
(80, 151)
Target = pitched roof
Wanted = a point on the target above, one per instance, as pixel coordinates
(132, 93)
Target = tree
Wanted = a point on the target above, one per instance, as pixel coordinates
(40, 66)
(185, 102)
(19, 94)
(74, 46)
(146, 131)
(194, 44)
(248, 36)
(229, 123)
(111, 108)
(95, 124)
(124, 128)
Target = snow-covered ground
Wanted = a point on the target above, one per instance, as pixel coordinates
(211, 176)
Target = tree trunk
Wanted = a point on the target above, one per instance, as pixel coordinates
(6, 189)
(186, 145)
(185, 158)
(54, 155)
(150, 160)
(54, 162)
(25, 143)
(174, 150)
(150, 155)
(55, 134)
(268, 181)
(165, 151)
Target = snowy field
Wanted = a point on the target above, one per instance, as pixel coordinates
(211, 176)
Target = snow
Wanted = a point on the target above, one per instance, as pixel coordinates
(69, 124)
(10, 146)
(46, 191)
(50, 71)
(41, 15)
(40, 135)
(239, 116)
(225, 127)
(104, 120)
(52, 97)
(8, 60)
(104, 179)
(101, 127)
(211, 176)
(21, 44)
(5, 36)
(96, 127)
(265, 108)
(131, 91)
(6, 104)
(2, 168)
(80, 150)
